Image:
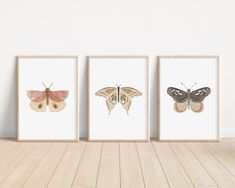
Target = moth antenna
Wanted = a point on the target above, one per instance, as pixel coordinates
(193, 85)
(51, 85)
(184, 85)
(44, 85)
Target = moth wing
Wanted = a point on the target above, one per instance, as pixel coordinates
(58, 96)
(196, 107)
(199, 95)
(111, 101)
(126, 94)
(131, 92)
(181, 107)
(178, 95)
(55, 106)
(39, 106)
(110, 94)
(36, 96)
(125, 101)
(105, 92)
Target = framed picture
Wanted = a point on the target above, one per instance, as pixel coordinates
(188, 98)
(118, 98)
(47, 98)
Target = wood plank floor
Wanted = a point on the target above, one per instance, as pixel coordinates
(117, 164)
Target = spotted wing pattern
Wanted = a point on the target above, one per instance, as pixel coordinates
(178, 95)
(199, 95)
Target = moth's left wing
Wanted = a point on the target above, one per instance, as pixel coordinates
(58, 96)
(126, 94)
(199, 95)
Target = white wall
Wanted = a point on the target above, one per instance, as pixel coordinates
(89, 27)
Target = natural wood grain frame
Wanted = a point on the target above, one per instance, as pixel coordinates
(77, 98)
(159, 100)
(148, 98)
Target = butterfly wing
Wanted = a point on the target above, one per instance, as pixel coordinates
(196, 107)
(58, 96)
(36, 96)
(39, 106)
(126, 94)
(131, 92)
(110, 94)
(199, 95)
(38, 100)
(56, 100)
(178, 95)
(56, 106)
(181, 107)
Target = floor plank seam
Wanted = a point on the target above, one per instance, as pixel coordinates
(79, 164)
(120, 177)
(227, 150)
(37, 165)
(98, 170)
(202, 165)
(218, 160)
(161, 165)
(140, 165)
(58, 164)
(18, 163)
(13, 149)
(181, 165)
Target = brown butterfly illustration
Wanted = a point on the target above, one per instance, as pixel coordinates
(184, 100)
(122, 95)
(53, 99)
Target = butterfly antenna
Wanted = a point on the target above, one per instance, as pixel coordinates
(44, 85)
(51, 85)
(184, 85)
(193, 85)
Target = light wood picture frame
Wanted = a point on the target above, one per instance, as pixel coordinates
(110, 116)
(188, 98)
(47, 98)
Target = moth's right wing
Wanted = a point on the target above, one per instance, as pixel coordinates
(178, 95)
(111, 96)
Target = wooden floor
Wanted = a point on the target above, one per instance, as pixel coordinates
(117, 164)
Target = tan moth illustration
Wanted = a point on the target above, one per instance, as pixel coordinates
(122, 95)
(184, 100)
(53, 99)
